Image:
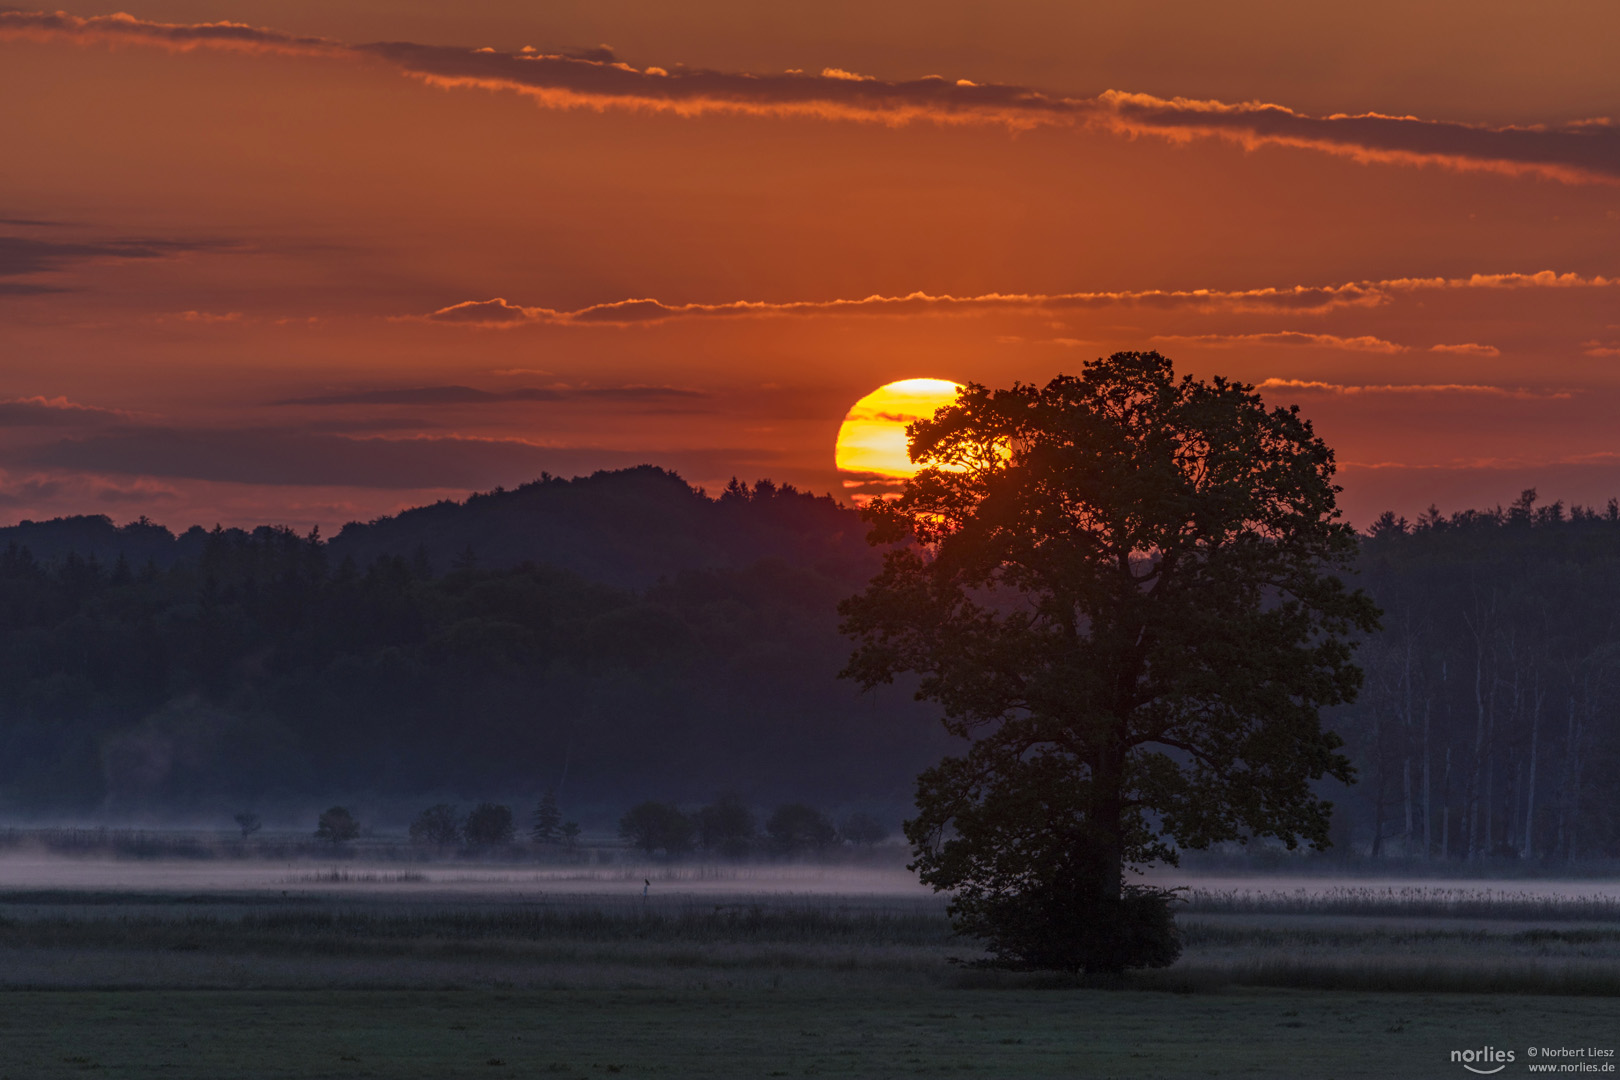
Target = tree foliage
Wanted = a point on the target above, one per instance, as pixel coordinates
(727, 827)
(863, 830)
(489, 825)
(1121, 587)
(337, 826)
(796, 828)
(547, 820)
(656, 826)
(438, 826)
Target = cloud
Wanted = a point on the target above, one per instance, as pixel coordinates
(1414, 388)
(1286, 337)
(482, 312)
(500, 313)
(1598, 348)
(1582, 152)
(467, 395)
(31, 492)
(39, 411)
(24, 255)
(284, 456)
(1467, 348)
(424, 395)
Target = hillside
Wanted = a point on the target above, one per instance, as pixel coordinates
(629, 527)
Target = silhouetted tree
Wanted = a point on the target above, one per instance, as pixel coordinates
(863, 830)
(569, 831)
(438, 825)
(727, 827)
(337, 826)
(248, 822)
(489, 825)
(655, 826)
(547, 820)
(796, 827)
(1120, 587)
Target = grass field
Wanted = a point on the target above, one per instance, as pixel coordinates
(375, 972)
(788, 1031)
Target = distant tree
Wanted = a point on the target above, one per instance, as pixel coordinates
(438, 825)
(796, 827)
(547, 820)
(569, 831)
(1121, 586)
(655, 826)
(863, 830)
(248, 822)
(337, 826)
(489, 825)
(727, 827)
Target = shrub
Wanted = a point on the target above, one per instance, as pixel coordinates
(1051, 928)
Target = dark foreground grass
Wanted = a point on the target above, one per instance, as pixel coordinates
(1014, 1033)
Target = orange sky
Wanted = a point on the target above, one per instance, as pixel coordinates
(246, 271)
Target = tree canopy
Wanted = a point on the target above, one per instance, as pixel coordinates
(1122, 587)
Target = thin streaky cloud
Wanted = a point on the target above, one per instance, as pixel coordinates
(1364, 343)
(468, 395)
(21, 255)
(500, 313)
(1467, 348)
(1582, 152)
(296, 457)
(1345, 390)
(41, 411)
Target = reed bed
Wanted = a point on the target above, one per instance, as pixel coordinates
(1410, 901)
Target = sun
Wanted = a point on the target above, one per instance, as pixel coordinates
(871, 452)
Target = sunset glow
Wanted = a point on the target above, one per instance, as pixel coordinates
(316, 263)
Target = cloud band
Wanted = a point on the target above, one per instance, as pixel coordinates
(1584, 152)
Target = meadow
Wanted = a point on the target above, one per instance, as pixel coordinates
(295, 968)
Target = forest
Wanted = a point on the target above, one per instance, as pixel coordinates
(269, 670)
(1486, 724)
(625, 637)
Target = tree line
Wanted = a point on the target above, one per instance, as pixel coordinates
(264, 672)
(1486, 727)
(258, 669)
(726, 828)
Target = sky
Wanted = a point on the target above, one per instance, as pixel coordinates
(307, 263)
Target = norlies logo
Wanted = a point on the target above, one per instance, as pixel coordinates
(1484, 1056)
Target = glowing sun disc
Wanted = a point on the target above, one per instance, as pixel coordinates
(872, 438)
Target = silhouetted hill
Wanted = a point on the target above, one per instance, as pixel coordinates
(629, 528)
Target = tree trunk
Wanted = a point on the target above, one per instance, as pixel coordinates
(1477, 781)
(1378, 789)
(1108, 813)
(1406, 743)
(1528, 851)
(1445, 801)
(1428, 801)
